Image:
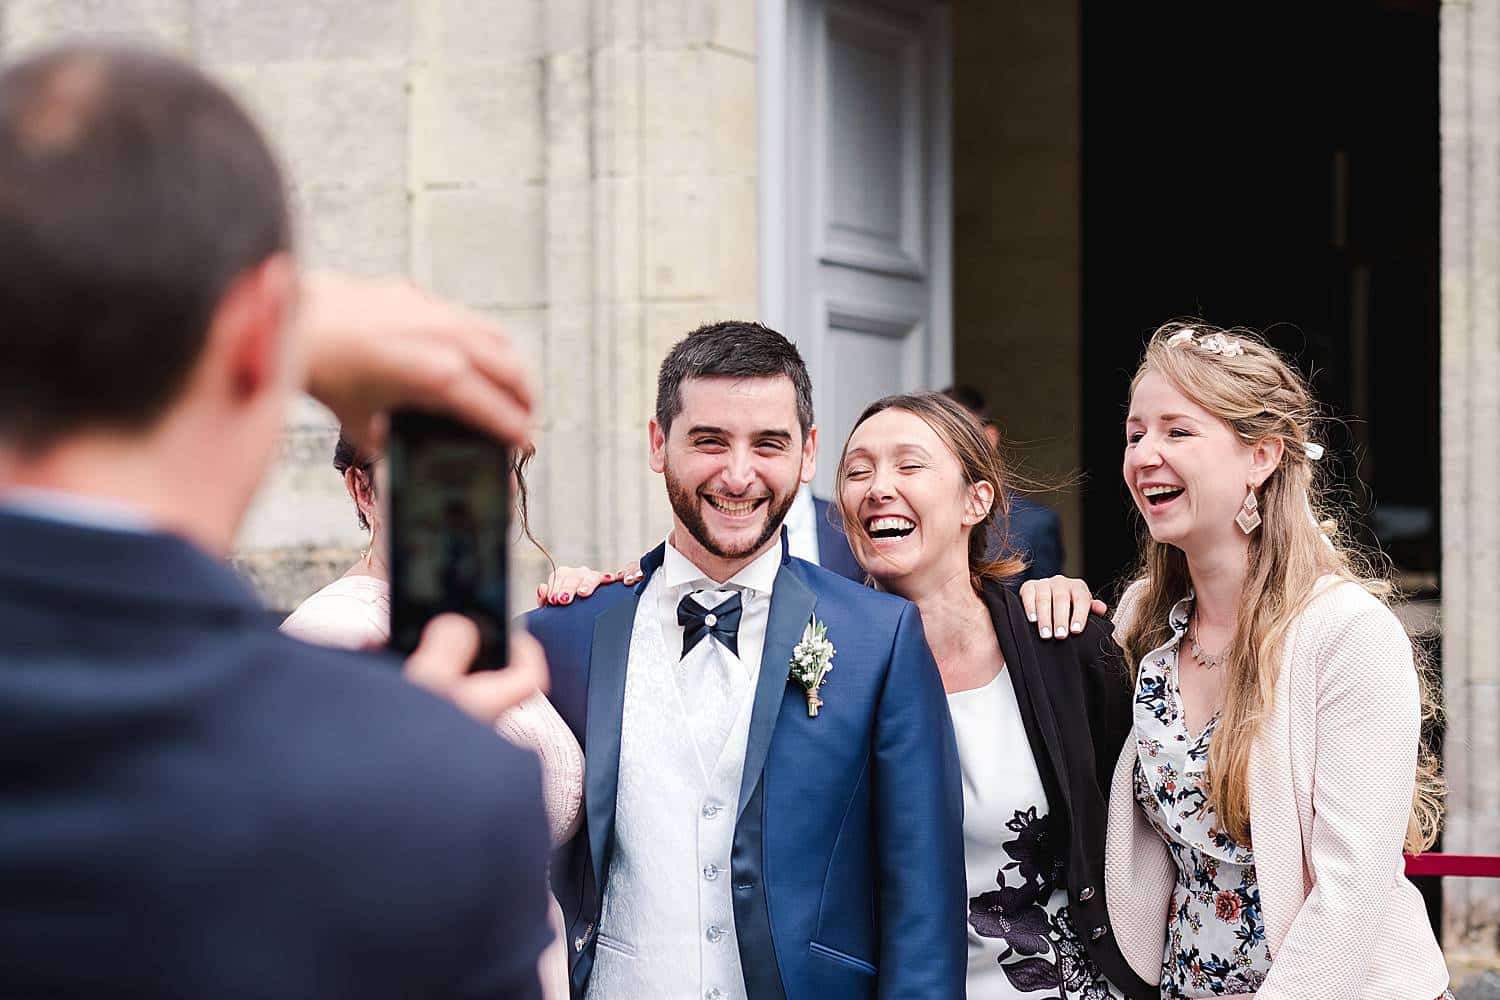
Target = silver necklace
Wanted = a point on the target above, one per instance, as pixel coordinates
(1205, 660)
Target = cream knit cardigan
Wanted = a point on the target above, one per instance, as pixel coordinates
(1332, 773)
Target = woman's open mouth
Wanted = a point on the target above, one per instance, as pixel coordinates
(890, 528)
(1160, 496)
(734, 508)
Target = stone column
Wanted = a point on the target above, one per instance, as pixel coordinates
(1470, 126)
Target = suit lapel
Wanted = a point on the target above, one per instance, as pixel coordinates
(609, 656)
(792, 603)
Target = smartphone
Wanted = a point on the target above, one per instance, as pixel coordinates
(449, 510)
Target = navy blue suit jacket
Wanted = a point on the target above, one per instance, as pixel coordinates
(1036, 533)
(193, 805)
(834, 553)
(847, 864)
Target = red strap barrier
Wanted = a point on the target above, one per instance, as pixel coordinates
(1460, 865)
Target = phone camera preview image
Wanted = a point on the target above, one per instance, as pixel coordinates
(450, 519)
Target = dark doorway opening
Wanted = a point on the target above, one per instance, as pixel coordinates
(1276, 168)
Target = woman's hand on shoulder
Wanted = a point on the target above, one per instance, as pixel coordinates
(568, 582)
(1059, 605)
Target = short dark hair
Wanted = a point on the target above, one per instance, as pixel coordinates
(970, 399)
(731, 349)
(133, 191)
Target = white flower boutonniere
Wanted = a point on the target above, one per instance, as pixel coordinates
(812, 658)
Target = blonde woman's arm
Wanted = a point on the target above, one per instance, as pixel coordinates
(1366, 732)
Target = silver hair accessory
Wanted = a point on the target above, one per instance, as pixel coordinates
(1221, 345)
(1214, 343)
(1312, 450)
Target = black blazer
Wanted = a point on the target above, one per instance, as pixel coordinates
(1075, 697)
(194, 805)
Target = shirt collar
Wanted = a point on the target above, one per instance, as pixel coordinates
(1181, 614)
(74, 509)
(678, 570)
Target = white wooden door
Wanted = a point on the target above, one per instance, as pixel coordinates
(861, 157)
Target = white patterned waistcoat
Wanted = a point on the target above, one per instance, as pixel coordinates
(666, 929)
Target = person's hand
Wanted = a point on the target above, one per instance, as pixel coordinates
(374, 346)
(1059, 605)
(567, 582)
(441, 665)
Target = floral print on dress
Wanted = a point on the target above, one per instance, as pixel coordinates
(1029, 912)
(1216, 936)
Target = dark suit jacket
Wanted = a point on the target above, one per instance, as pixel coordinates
(1036, 533)
(848, 846)
(1075, 697)
(193, 805)
(834, 553)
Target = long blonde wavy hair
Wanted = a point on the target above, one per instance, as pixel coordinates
(1260, 396)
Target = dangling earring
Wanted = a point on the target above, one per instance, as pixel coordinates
(1249, 516)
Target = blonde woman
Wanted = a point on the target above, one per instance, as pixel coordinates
(1274, 772)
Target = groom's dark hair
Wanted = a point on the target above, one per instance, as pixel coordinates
(731, 349)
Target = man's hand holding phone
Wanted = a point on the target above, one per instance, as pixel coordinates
(376, 346)
(441, 665)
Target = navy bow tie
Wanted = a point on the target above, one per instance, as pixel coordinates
(721, 622)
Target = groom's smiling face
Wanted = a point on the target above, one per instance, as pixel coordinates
(733, 459)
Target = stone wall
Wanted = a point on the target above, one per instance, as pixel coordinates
(583, 170)
(1470, 126)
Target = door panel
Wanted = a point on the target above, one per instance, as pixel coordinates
(866, 205)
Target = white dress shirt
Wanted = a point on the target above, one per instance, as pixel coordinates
(73, 508)
(667, 929)
(754, 582)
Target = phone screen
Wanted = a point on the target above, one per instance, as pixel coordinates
(449, 524)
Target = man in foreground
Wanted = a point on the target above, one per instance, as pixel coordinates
(194, 805)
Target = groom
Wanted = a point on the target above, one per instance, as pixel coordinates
(736, 845)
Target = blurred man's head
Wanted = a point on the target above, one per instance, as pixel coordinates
(973, 400)
(145, 273)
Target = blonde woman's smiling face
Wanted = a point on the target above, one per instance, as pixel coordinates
(1187, 470)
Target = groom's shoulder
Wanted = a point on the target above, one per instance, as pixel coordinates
(838, 594)
(561, 621)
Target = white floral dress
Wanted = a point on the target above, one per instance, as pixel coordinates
(1216, 938)
(1022, 943)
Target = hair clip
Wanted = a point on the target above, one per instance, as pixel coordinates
(1181, 337)
(1312, 450)
(1221, 345)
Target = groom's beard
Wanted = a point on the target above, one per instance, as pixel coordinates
(688, 506)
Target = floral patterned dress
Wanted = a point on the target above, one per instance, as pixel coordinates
(1022, 942)
(1216, 938)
